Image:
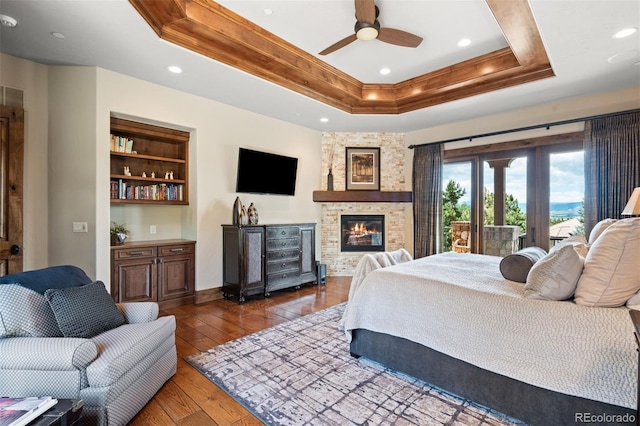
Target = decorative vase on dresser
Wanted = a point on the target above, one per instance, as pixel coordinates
(237, 210)
(244, 219)
(253, 214)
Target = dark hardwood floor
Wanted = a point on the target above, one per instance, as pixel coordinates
(189, 398)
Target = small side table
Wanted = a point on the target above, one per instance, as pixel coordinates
(635, 318)
(67, 412)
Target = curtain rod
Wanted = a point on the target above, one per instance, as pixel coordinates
(535, 126)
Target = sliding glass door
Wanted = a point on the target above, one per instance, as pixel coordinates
(566, 195)
(540, 190)
(457, 204)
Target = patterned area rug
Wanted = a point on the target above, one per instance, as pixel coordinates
(301, 373)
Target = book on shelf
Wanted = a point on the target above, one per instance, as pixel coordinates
(21, 411)
(121, 144)
(121, 189)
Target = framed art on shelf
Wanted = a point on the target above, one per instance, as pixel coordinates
(363, 169)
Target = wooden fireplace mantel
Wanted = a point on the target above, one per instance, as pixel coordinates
(362, 196)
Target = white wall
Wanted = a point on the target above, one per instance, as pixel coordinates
(72, 166)
(31, 78)
(567, 109)
(218, 131)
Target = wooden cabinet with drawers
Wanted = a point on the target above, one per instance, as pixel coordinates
(290, 252)
(154, 271)
(259, 259)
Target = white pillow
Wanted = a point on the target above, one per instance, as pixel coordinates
(634, 302)
(612, 268)
(600, 228)
(555, 276)
(578, 242)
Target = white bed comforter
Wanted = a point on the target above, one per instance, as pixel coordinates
(460, 305)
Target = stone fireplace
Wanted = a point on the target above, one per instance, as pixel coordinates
(362, 233)
(396, 214)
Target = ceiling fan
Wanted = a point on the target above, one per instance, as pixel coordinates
(368, 28)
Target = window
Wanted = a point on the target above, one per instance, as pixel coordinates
(534, 188)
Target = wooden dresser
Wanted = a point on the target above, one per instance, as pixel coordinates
(259, 259)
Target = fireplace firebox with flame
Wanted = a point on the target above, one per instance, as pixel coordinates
(362, 232)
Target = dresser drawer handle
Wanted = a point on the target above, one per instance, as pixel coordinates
(136, 253)
(283, 244)
(284, 275)
(284, 265)
(177, 250)
(283, 233)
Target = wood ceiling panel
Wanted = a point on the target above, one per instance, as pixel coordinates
(208, 28)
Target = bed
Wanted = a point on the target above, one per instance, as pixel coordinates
(454, 321)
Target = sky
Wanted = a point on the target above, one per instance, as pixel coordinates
(566, 178)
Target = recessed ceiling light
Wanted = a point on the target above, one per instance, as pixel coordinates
(57, 35)
(324, 120)
(624, 56)
(385, 71)
(175, 69)
(268, 11)
(464, 42)
(626, 32)
(8, 21)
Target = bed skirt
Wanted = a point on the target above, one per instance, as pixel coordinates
(531, 404)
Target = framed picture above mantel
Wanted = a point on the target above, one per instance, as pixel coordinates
(362, 169)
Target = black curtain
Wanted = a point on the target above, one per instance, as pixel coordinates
(427, 199)
(611, 165)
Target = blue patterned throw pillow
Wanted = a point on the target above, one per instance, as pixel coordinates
(84, 311)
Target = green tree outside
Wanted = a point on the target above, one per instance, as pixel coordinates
(451, 211)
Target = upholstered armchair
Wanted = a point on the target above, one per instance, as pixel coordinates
(62, 335)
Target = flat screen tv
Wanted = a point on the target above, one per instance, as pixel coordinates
(266, 173)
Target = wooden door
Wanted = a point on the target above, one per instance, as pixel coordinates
(11, 189)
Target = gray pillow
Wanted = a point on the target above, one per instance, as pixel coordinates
(25, 313)
(516, 266)
(84, 311)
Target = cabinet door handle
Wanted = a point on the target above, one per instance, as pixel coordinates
(177, 250)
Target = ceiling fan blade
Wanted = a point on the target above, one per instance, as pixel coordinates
(339, 45)
(365, 11)
(399, 37)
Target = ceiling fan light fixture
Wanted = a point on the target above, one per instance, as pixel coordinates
(366, 31)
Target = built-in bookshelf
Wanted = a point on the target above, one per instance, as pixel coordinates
(149, 163)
